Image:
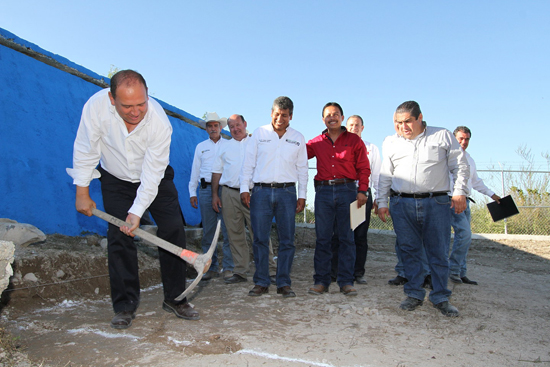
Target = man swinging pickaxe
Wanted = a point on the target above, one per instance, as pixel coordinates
(201, 263)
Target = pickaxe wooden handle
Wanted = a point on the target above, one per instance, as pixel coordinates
(201, 263)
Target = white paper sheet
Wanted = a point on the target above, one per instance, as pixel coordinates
(356, 215)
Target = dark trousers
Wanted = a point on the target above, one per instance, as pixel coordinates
(361, 244)
(118, 197)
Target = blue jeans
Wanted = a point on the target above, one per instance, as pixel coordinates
(461, 242)
(423, 225)
(266, 203)
(400, 269)
(332, 214)
(210, 219)
(361, 244)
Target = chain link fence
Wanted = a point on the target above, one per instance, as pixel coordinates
(529, 189)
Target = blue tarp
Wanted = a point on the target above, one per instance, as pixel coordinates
(40, 109)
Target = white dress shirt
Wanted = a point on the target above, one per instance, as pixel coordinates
(475, 182)
(139, 156)
(269, 159)
(422, 165)
(375, 163)
(205, 154)
(230, 161)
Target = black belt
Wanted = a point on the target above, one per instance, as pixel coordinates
(422, 195)
(337, 181)
(232, 188)
(276, 185)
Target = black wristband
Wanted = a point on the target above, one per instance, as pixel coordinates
(362, 192)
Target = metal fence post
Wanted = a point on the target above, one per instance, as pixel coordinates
(502, 183)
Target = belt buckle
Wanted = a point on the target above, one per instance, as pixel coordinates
(331, 182)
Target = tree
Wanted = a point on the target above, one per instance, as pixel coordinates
(112, 71)
(530, 189)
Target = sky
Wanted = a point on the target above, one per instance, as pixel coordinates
(483, 64)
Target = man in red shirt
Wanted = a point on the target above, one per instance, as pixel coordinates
(341, 161)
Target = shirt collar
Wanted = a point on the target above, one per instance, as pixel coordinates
(325, 132)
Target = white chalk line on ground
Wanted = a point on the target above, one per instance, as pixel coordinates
(102, 333)
(185, 343)
(287, 359)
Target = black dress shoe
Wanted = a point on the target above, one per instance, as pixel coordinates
(235, 278)
(286, 291)
(428, 282)
(258, 290)
(123, 320)
(410, 304)
(360, 280)
(398, 280)
(182, 310)
(447, 309)
(465, 280)
(455, 278)
(210, 274)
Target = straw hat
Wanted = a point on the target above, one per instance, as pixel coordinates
(213, 116)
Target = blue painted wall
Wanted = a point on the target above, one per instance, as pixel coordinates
(40, 108)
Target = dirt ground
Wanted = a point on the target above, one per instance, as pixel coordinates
(64, 321)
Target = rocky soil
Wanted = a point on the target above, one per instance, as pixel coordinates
(60, 315)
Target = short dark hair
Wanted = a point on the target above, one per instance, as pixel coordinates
(283, 103)
(357, 117)
(242, 118)
(411, 107)
(127, 77)
(332, 104)
(464, 129)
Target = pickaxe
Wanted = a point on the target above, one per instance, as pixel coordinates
(201, 263)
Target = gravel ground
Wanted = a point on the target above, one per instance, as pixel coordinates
(62, 318)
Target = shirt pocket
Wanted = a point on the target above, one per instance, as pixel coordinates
(345, 153)
(290, 150)
(432, 153)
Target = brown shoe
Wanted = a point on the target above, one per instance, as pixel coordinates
(318, 289)
(258, 290)
(348, 290)
(182, 310)
(286, 291)
(123, 320)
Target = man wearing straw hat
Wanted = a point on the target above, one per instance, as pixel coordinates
(201, 177)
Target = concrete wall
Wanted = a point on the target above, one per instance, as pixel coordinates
(40, 107)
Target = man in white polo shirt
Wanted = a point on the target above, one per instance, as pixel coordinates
(275, 159)
(201, 176)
